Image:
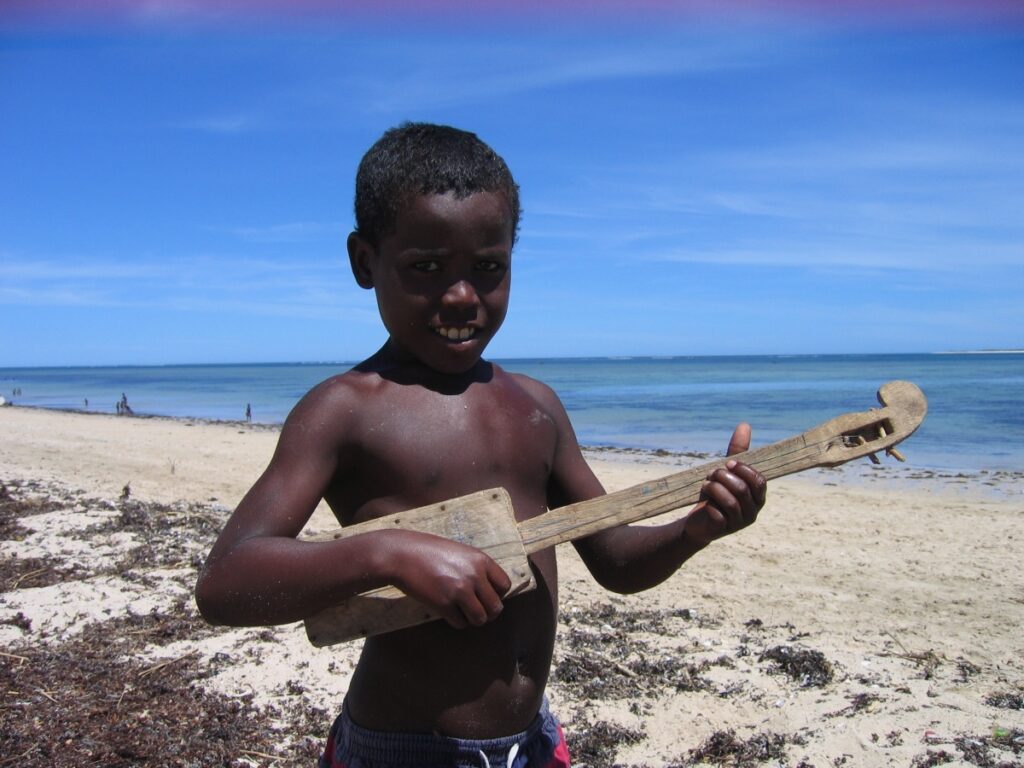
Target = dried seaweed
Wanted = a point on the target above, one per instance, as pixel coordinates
(931, 758)
(1006, 700)
(605, 660)
(100, 698)
(24, 572)
(858, 703)
(92, 700)
(724, 748)
(808, 667)
(595, 745)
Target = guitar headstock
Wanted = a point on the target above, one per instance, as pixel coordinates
(854, 435)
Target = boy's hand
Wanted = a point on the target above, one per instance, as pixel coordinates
(461, 583)
(731, 497)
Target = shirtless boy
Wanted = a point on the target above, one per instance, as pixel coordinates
(426, 419)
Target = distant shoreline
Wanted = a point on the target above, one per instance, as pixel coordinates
(505, 361)
(261, 426)
(980, 352)
(909, 474)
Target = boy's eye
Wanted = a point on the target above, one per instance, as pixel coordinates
(426, 266)
(488, 265)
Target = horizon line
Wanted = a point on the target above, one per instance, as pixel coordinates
(501, 359)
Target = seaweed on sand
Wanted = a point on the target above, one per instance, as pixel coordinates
(605, 659)
(595, 745)
(725, 748)
(103, 697)
(808, 667)
(93, 701)
(1006, 700)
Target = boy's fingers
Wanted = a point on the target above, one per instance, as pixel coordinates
(744, 490)
(491, 593)
(490, 602)
(500, 580)
(723, 500)
(484, 603)
(740, 440)
(732, 481)
(475, 614)
(755, 481)
(482, 607)
(455, 618)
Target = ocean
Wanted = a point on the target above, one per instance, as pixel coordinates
(688, 404)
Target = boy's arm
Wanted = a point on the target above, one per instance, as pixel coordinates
(257, 572)
(631, 558)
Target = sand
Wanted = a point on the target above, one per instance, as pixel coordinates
(871, 617)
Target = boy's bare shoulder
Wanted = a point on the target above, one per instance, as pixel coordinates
(536, 388)
(335, 403)
(543, 395)
(335, 391)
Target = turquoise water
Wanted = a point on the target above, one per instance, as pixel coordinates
(975, 420)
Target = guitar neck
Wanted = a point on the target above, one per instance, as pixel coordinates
(837, 441)
(639, 502)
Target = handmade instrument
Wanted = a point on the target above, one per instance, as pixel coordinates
(486, 519)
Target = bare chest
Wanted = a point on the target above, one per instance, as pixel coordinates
(426, 447)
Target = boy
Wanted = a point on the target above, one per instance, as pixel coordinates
(425, 419)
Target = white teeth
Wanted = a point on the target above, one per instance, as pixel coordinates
(456, 334)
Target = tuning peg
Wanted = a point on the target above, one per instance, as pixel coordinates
(895, 454)
(890, 451)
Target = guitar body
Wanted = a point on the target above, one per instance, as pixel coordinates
(485, 520)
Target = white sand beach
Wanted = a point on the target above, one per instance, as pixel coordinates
(871, 617)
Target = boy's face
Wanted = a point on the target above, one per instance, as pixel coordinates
(442, 277)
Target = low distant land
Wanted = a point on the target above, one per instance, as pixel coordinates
(981, 352)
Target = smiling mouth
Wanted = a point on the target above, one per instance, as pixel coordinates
(454, 334)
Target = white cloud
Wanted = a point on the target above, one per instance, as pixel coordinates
(223, 124)
(554, 62)
(207, 282)
(942, 257)
(294, 232)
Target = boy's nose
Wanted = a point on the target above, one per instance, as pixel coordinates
(460, 293)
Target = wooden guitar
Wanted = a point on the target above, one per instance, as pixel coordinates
(486, 519)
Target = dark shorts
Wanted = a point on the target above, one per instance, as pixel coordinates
(542, 745)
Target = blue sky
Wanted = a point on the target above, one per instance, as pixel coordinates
(175, 188)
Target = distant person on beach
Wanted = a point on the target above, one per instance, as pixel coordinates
(425, 419)
(248, 412)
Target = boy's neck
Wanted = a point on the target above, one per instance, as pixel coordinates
(400, 368)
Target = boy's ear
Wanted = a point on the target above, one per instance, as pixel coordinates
(360, 257)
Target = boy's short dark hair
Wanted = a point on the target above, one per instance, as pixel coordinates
(422, 159)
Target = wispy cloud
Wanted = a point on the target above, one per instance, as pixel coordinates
(919, 153)
(942, 257)
(293, 232)
(52, 296)
(506, 71)
(223, 124)
(16, 267)
(216, 283)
